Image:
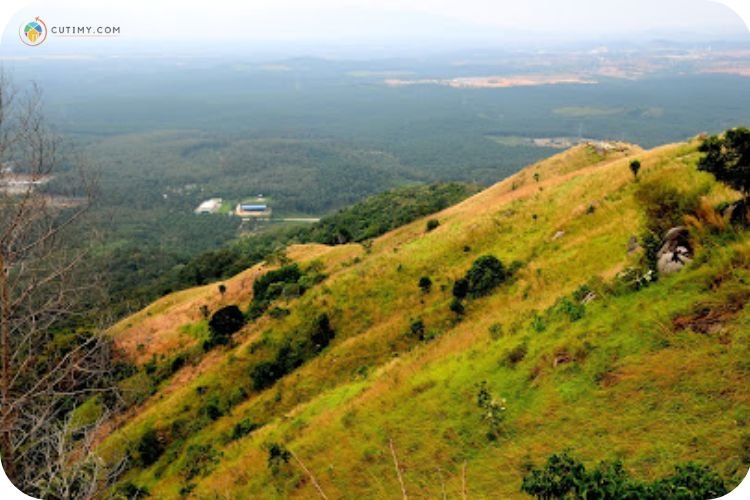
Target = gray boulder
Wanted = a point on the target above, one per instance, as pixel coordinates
(675, 251)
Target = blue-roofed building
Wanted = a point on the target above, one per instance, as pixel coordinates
(253, 209)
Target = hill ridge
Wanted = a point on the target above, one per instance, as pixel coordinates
(404, 368)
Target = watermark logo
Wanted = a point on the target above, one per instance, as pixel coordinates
(33, 33)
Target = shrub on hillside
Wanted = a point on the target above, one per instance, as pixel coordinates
(278, 455)
(493, 411)
(264, 374)
(279, 312)
(242, 428)
(691, 480)
(213, 409)
(484, 275)
(565, 477)
(432, 224)
(416, 329)
(460, 288)
(322, 333)
(263, 287)
(425, 284)
(632, 279)
(665, 206)
(293, 353)
(557, 479)
(515, 355)
(223, 324)
(572, 309)
(287, 282)
(635, 167)
(131, 491)
(457, 307)
(200, 459)
(496, 331)
(150, 447)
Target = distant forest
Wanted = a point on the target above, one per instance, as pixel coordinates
(316, 136)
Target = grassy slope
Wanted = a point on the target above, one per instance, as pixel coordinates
(636, 387)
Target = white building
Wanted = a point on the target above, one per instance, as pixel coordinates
(209, 206)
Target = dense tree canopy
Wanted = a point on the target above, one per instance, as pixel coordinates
(727, 157)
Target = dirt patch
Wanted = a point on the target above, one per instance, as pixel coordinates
(709, 318)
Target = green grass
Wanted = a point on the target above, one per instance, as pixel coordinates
(620, 382)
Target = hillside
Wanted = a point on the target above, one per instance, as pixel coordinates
(356, 365)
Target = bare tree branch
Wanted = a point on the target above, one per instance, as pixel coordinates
(47, 370)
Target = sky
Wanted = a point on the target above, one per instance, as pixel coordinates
(225, 23)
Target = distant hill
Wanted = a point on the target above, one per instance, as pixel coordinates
(369, 371)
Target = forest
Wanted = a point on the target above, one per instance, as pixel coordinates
(321, 135)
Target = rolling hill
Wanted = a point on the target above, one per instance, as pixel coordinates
(359, 379)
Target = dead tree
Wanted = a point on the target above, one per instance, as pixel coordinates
(41, 255)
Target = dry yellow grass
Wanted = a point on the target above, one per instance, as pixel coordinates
(157, 328)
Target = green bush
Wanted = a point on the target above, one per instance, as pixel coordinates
(277, 456)
(432, 224)
(635, 167)
(496, 331)
(132, 491)
(665, 206)
(559, 478)
(287, 282)
(322, 333)
(651, 243)
(416, 329)
(573, 310)
(632, 279)
(691, 481)
(150, 447)
(537, 323)
(242, 428)
(265, 374)
(223, 324)
(286, 274)
(292, 355)
(493, 411)
(271, 285)
(484, 275)
(425, 284)
(516, 355)
(200, 459)
(457, 306)
(279, 312)
(213, 409)
(460, 288)
(565, 477)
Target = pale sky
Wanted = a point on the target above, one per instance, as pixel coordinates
(227, 22)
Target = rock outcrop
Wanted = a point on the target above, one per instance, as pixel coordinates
(675, 251)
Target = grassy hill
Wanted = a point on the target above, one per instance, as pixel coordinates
(584, 359)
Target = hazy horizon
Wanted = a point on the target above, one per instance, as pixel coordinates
(366, 28)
